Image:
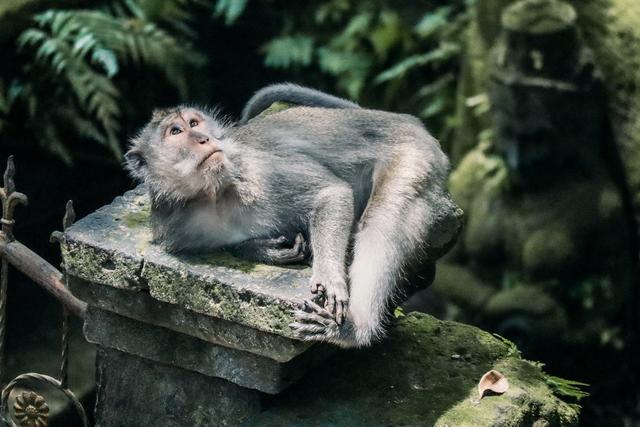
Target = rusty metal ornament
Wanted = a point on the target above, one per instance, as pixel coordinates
(31, 410)
(10, 199)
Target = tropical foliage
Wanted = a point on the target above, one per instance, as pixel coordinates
(69, 61)
(394, 55)
(71, 67)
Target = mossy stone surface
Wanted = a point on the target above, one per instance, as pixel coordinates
(424, 374)
(113, 247)
(556, 232)
(611, 28)
(539, 16)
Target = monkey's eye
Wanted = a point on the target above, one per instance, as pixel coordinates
(193, 123)
(175, 130)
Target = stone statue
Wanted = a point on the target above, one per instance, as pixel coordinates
(544, 206)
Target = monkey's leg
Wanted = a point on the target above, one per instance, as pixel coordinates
(273, 251)
(331, 222)
(399, 219)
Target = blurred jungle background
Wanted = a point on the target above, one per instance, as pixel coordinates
(536, 103)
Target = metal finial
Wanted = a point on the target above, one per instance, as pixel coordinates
(10, 199)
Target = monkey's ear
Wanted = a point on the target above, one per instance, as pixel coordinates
(159, 113)
(136, 164)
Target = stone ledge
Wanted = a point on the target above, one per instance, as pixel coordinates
(424, 374)
(140, 306)
(113, 247)
(164, 346)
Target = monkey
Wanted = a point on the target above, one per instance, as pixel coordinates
(293, 94)
(366, 187)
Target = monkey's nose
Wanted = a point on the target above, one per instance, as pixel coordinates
(204, 140)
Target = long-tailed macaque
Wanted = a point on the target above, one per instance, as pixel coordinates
(366, 189)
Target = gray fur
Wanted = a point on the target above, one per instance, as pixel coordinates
(291, 93)
(365, 187)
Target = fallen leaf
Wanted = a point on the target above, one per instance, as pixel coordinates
(492, 381)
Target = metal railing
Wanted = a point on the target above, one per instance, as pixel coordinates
(29, 408)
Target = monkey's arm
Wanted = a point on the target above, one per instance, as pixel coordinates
(277, 251)
(291, 93)
(330, 229)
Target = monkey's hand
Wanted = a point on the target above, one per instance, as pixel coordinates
(274, 251)
(334, 292)
(314, 323)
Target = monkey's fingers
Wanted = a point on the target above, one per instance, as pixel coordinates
(314, 325)
(301, 247)
(279, 241)
(342, 307)
(330, 303)
(305, 328)
(312, 307)
(312, 317)
(317, 288)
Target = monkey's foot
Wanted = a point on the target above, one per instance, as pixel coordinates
(335, 294)
(314, 323)
(283, 255)
(273, 251)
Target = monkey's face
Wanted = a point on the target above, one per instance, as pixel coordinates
(182, 155)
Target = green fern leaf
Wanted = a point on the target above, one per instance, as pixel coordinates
(443, 52)
(230, 9)
(287, 51)
(433, 21)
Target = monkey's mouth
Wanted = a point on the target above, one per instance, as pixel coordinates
(214, 155)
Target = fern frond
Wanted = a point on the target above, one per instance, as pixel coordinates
(95, 92)
(287, 51)
(230, 9)
(443, 52)
(433, 21)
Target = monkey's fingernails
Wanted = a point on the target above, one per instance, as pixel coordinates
(330, 304)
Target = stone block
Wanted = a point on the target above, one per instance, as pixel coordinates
(113, 247)
(165, 346)
(137, 392)
(424, 374)
(139, 305)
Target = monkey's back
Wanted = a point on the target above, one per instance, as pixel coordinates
(342, 138)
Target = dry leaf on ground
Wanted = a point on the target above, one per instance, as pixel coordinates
(492, 381)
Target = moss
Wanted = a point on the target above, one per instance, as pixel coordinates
(137, 218)
(276, 107)
(435, 369)
(215, 299)
(539, 16)
(102, 266)
(547, 248)
(460, 286)
(479, 171)
(521, 298)
(226, 259)
(529, 308)
(612, 29)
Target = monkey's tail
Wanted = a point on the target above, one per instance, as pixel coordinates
(294, 94)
